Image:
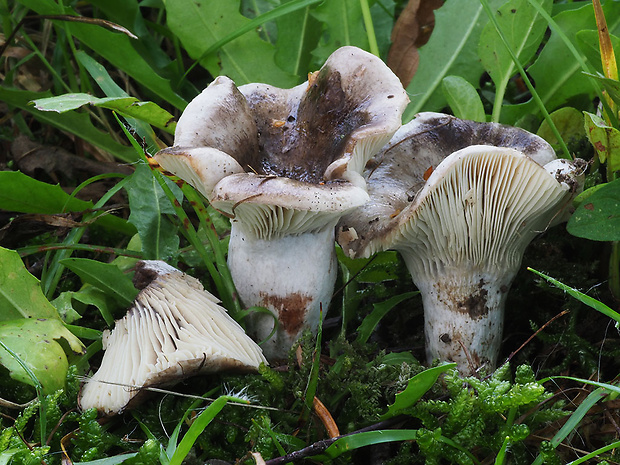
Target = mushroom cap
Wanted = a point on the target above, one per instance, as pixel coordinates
(479, 208)
(173, 330)
(271, 206)
(324, 129)
(401, 169)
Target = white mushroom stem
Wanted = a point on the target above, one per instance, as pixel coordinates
(464, 239)
(292, 276)
(464, 317)
(281, 253)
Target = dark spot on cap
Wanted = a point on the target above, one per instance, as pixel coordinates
(144, 276)
(445, 338)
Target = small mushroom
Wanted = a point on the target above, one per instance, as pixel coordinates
(461, 218)
(284, 165)
(174, 329)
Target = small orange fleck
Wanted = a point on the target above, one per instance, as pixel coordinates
(395, 214)
(312, 79)
(427, 173)
(276, 123)
(588, 206)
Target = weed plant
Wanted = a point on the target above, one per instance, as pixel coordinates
(97, 86)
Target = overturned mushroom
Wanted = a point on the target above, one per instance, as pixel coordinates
(285, 165)
(461, 219)
(174, 330)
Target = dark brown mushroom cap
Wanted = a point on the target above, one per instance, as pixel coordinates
(398, 172)
(322, 130)
(174, 330)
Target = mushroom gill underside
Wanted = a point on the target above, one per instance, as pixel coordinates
(174, 330)
(462, 238)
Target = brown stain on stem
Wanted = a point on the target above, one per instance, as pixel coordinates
(292, 310)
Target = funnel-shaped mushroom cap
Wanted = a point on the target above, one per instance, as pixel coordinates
(174, 330)
(462, 237)
(324, 129)
(397, 173)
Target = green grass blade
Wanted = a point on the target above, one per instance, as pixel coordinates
(580, 296)
(526, 80)
(366, 438)
(573, 422)
(198, 426)
(38, 388)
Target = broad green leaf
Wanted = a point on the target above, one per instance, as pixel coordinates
(21, 193)
(20, 292)
(523, 28)
(568, 121)
(598, 217)
(74, 123)
(611, 86)
(64, 306)
(35, 342)
(366, 438)
(416, 388)
(605, 139)
(149, 205)
(557, 74)
(383, 13)
(200, 24)
(463, 99)
(148, 112)
(371, 321)
(581, 297)
(451, 50)
(105, 276)
(298, 35)
(587, 43)
(343, 24)
(116, 48)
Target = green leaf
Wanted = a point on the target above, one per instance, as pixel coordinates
(35, 343)
(605, 139)
(463, 99)
(20, 292)
(298, 35)
(523, 28)
(198, 426)
(568, 121)
(201, 23)
(581, 297)
(366, 438)
(106, 276)
(416, 388)
(148, 112)
(598, 217)
(379, 311)
(451, 50)
(566, 80)
(343, 23)
(74, 123)
(21, 193)
(116, 48)
(64, 306)
(149, 205)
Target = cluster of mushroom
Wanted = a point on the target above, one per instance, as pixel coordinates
(459, 200)
(291, 167)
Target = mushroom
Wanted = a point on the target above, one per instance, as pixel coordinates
(284, 165)
(174, 329)
(461, 218)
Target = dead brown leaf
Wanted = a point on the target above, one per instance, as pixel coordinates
(412, 30)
